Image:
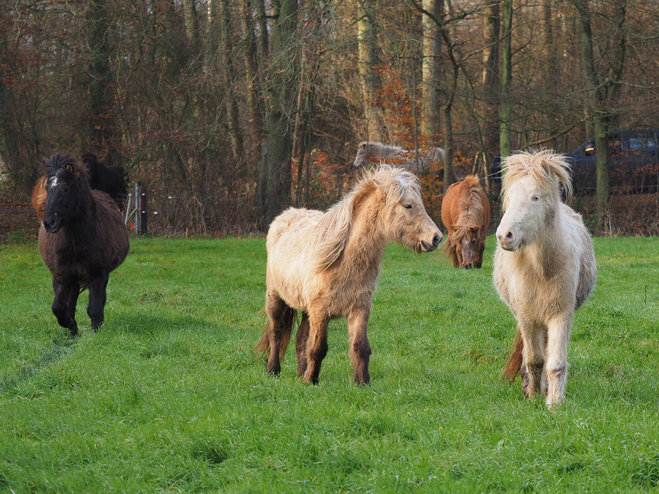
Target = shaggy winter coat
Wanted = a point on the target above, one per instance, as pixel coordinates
(544, 269)
(327, 265)
(82, 239)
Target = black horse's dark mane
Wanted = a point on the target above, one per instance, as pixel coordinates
(58, 161)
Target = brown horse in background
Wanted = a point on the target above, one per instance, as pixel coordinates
(466, 215)
(327, 266)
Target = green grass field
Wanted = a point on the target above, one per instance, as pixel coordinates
(169, 396)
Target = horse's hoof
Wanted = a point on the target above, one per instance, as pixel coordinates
(274, 371)
(312, 380)
(73, 330)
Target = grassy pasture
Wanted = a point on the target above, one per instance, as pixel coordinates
(168, 396)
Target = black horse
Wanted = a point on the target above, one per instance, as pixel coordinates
(82, 239)
(109, 179)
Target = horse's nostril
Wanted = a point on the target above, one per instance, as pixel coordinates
(509, 236)
(436, 240)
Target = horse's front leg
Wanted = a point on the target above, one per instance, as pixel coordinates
(97, 298)
(316, 346)
(533, 357)
(64, 293)
(360, 350)
(301, 344)
(558, 337)
(453, 250)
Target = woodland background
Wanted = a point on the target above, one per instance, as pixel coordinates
(231, 110)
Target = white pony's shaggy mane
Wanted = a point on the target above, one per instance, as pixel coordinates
(545, 167)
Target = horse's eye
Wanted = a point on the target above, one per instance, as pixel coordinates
(536, 198)
(407, 206)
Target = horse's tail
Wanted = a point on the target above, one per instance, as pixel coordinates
(514, 363)
(288, 319)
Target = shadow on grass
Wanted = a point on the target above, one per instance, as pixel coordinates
(61, 346)
(147, 324)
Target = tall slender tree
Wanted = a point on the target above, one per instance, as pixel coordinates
(505, 114)
(369, 64)
(101, 93)
(274, 185)
(431, 70)
(491, 89)
(600, 96)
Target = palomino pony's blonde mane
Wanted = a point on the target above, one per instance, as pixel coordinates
(545, 167)
(335, 225)
(472, 210)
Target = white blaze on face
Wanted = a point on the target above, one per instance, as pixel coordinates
(54, 182)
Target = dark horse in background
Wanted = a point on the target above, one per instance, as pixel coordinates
(110, 179)
(82, 239)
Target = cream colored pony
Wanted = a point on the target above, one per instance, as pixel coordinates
(544, 269)
(327, 265)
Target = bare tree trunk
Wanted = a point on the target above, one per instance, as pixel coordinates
(491, 90)
(191, 22)
(618, 60)
(551, 71)
(451, 85)
(551, 65)
(9, 149)
(226, 52)
(596, 110)
(274, 192)
(262, 39)
(431, 70)
(368, 63)
(251, 74)
(101, 94)
(505, 114)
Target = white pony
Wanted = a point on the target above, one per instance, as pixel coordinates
(544, 269)
(375, 152)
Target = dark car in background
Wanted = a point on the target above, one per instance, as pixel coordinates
(633, 162)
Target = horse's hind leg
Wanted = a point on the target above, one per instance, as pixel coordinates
(558, 337)
(301, 344)
(278, 330)
(360, 350)
(316, 347)
(97, 298)
(64, 294)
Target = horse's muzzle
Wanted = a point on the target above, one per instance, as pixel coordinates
(428, 247)
(51, 224)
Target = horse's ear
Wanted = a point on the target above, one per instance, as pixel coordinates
(546, 167)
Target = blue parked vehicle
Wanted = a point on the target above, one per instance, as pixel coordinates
(633, 162)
